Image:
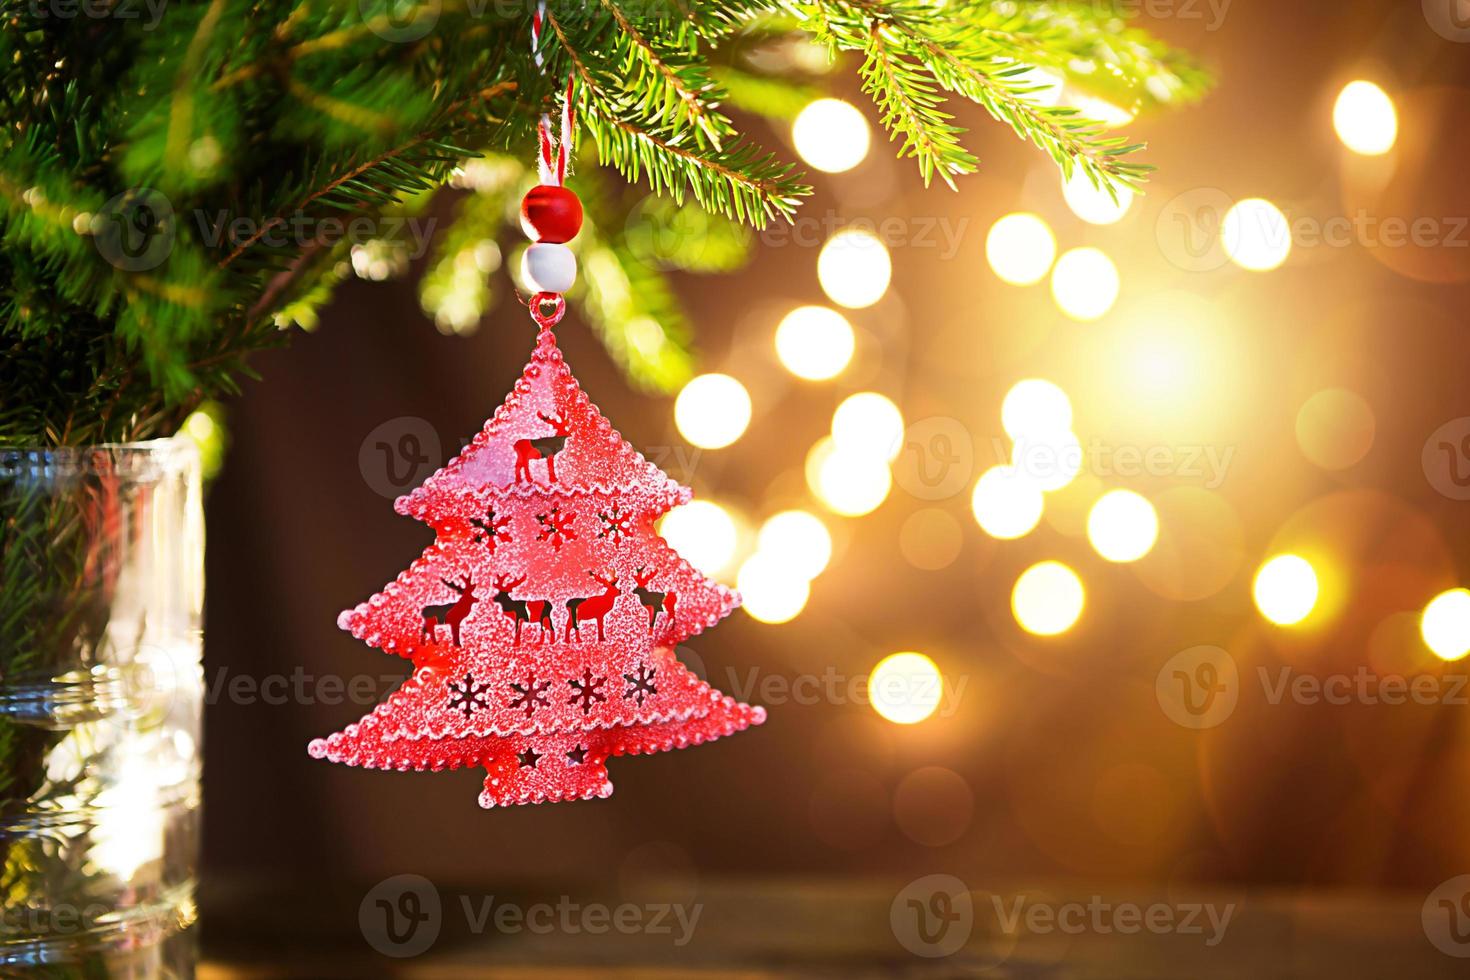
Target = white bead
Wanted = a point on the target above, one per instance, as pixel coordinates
(549, 267)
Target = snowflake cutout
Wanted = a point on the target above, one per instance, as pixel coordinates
(530, 695)
(467, 695)
(556, 527)
(491, 530)
(640, 683)
(615, 525)
(587, 690)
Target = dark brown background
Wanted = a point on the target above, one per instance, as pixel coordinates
(1074, 770)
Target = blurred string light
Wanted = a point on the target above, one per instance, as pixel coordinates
(1445, 624)
(869, 424)
(1035, 407)
(1037, 414)
(1085, 283)
(847, 483)
(1006, 504)
(1286, 589)
(814, 342)
(703, 533)
(712, 411)
(1046, 87)
(770, 590)
(1051, 461)
(1365, 119)
(905, 688)
(1256, 235)
(854, 268)
(1110, 114)
(797, 539)
(1335, 428)
(1048, 599)
(1122, 526)
(1093, 204)
(1020, 249)
(831, 135)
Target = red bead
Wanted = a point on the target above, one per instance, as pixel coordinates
(551, 214)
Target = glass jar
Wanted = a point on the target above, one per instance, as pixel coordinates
(101, 686)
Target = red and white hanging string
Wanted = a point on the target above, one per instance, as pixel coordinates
(550, 213)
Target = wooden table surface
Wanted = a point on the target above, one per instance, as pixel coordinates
(821, 928)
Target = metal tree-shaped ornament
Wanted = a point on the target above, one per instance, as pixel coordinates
(543, 620)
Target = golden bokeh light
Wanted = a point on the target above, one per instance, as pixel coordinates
(1085, 283)
(1365, 119)
(797, 539)
(1046, 86)
(1035, 408)
(831, 135)
(1445, 625)
(905, 688)
(702, 532)
(854, 268)
(1093, 204)
(1110, 114)
(770, 590)
(1335, 428)
(1050, 461)
(930, 539)
(848, 483)
(1286, 589)
(1256, 235)
(868, 424)
(1122, 526)
(814, 342)
(1006, 504)
(1048, 599)
(933, 806)
(712, 411)
(1020, 249)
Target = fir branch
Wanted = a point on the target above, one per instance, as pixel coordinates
(742, 180)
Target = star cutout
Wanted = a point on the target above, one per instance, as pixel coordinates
(578, 755)
(528, 758)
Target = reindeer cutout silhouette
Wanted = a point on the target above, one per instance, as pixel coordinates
(653, 601)
(544, 448)
(520, 611)
(449, 613)
(594, 607)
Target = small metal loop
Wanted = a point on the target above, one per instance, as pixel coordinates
(541, 316)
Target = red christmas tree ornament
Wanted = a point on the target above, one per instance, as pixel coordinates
(543, 620)
(551, 213)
